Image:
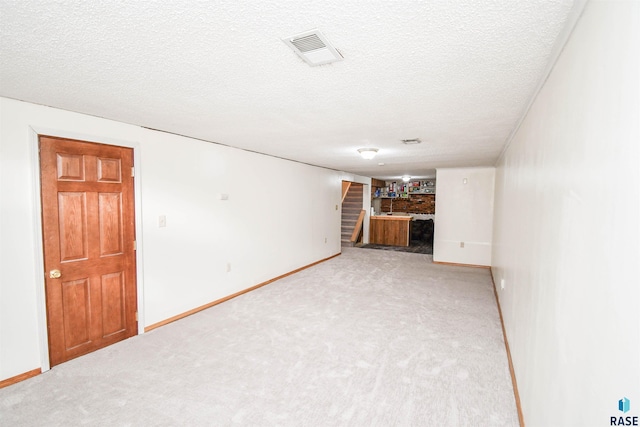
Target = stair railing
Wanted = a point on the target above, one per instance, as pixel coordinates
(345, 189)
(358, 227)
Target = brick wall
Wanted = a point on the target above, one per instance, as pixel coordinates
(418, 203)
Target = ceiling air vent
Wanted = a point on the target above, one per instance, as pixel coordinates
(313, 47)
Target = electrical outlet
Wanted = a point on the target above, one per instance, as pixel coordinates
(501, 283)
(162, 221)
(325, 240)
(462, 245)
(228, 267)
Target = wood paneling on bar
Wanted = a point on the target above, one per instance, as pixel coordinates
(389, 230)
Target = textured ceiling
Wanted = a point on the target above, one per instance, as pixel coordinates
(457, 74)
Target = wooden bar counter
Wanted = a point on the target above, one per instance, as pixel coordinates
(389, 230)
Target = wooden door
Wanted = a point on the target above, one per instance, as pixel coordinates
(89, 255)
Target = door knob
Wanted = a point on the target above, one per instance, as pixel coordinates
(54, 274)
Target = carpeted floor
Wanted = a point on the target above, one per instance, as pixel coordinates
(370, 338)
(415, 247)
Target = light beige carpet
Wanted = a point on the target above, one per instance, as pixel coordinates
(370, 338)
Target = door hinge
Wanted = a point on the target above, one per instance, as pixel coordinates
(133, 171)
(136, 316)
(135, 245)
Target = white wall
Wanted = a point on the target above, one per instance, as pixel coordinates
(567, 229)
(276, 220)
(464, 213)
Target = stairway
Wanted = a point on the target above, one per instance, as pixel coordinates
(351, 207)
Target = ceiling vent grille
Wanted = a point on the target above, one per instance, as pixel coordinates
(308, 43)
(313, 47)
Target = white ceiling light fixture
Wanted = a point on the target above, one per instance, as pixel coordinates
(406, 178)
(313, 47)
(368, 153)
